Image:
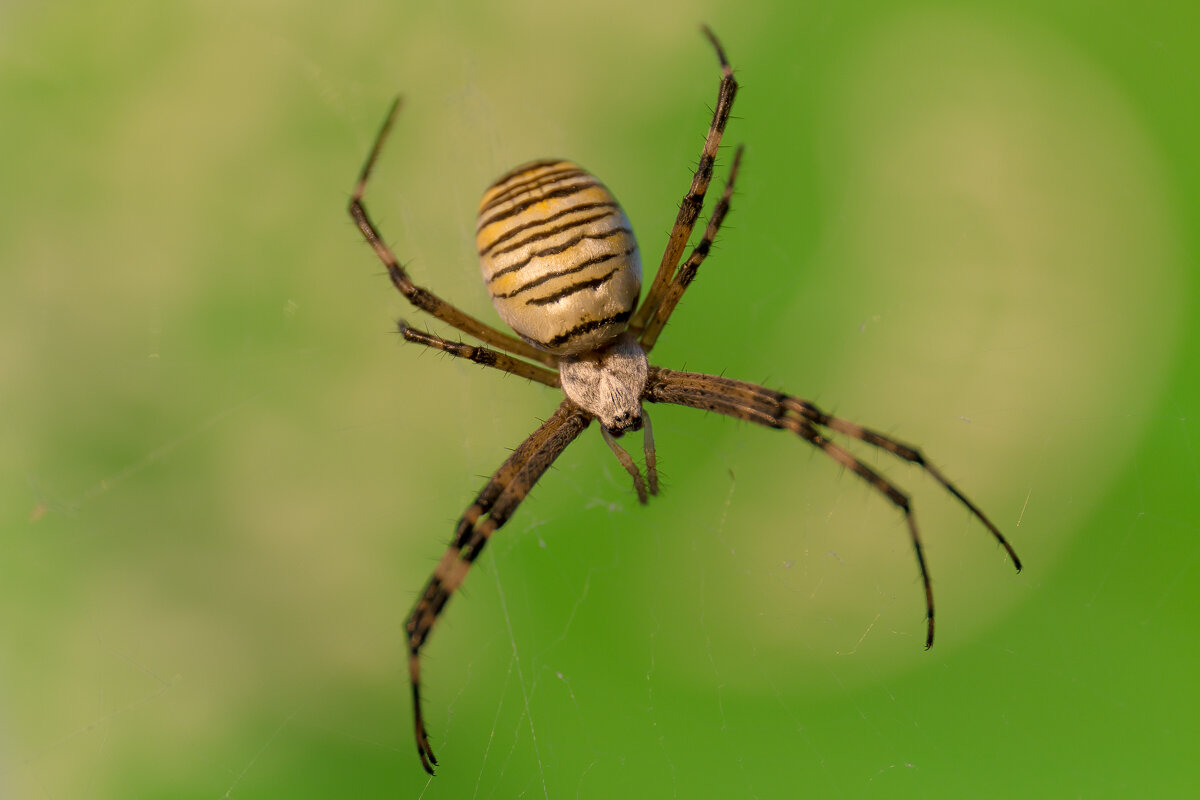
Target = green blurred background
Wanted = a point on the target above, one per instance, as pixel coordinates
(974, 226)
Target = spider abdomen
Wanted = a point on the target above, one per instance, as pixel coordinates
(558, 256)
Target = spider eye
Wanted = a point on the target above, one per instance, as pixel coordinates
(624, 423)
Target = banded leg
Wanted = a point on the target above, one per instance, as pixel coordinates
(693, 201)
(498, 500)
(773, 409)
(481, 355)
(420, 297)
(902, 451)
(687, 272)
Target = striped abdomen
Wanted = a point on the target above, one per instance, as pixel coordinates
(558, 257)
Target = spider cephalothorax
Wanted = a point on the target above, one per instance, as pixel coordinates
(608, 383)
(563, 270)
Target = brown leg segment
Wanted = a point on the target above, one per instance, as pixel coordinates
(693, 201)
(498, 500)
(773, 409)
(639, 484)
(420, 297)
(683, 278)
(481, 355)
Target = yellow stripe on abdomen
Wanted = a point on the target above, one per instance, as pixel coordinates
(558, 256)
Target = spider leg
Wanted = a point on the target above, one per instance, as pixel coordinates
(648, 450)
(693, 201)
(498, 500)
(910, 454)
(626, 460)
(772, 409)
(481, 355)
(687, 272)
(420, 297)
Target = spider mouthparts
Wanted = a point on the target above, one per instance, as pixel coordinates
(634, 424)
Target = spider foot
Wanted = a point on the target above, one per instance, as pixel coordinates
(424, 751)
(428, 760)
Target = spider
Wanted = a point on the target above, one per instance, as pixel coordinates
(563, 270)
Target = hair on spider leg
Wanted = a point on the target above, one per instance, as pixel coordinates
(482, 356)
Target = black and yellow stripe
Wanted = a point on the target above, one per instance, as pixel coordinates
(558, 256)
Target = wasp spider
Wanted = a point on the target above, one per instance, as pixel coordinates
(562, 267)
